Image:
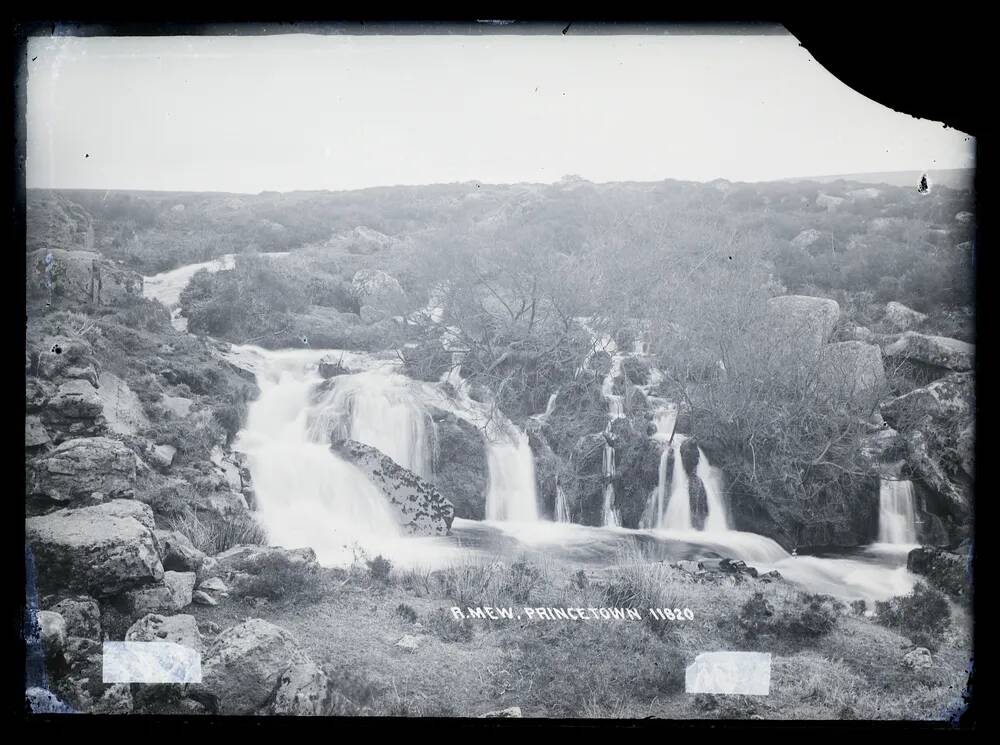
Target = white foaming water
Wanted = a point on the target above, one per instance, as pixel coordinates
(512, 492)
(561, 508)
(306, 495)
(896, 515)
(378, 408)
(677, 515)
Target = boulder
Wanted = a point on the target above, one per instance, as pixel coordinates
(34, 433)
(82, 277)
(798, 324)
(851, 371)
(304, 690)
(952, 498)
(949, 572)
(52, 629)
(409, 642)
(76, 408)
(378, 293)
(884, 445)
(99, 550)
(461, 473)
(177, 553)
(253, 559)
(162, 456)
(918, 659)
(213, 584)
(331, 366)
(179, 629)
(939, 405)
(933, 351)
(77, 468)
(173, 595)
(902, 318)
(200, 597)
(82, 615)
(860, 333)
(421, 508)
(513, 712)
(57, 354)
(122, 408)
(245, 664)
(806, 238)
(117, 699)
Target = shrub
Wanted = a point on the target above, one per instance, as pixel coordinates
(924, 612)
(406, 612)
(449, 629)
(379, 568)
(278, 578)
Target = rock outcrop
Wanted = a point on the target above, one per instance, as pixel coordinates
(180, 629)
(461, 473)
(101, 550)
(378, 293)
(902, 318)
(245, 664)
(78, 468)
(799, 324)
(937, 352)
(81, 277)
(421, 508)
(852, 371)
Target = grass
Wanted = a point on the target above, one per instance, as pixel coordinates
(850, 668)
(215, 534)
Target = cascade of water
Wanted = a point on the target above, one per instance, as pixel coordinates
(711, 477)
(306, 495)
(561, 507)
(678, 513)
(512, 490)
(897, 515)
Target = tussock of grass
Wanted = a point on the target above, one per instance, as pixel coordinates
(215, 535)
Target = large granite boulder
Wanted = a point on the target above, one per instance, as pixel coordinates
(179, 629)
(82, 615)
(949, 572)
(902, 318)
(421, 508)
(851, 371)
(245, 664)
(177, 552)
(74, 408)
(81, 277)
(252, 559)
(174, 594)
(378, 293)
(461, 473)
(938, 352)
(304, 690)
(101, 550)
(799, 324)
(943, 403)
(77, 468)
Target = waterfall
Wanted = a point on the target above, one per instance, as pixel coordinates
(306, 495)
(896, 514)
(616, 410)
(512, 493)
(562, 508)
(678, 513)
(378, 408)
(673, 511)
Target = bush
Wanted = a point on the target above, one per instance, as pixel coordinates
(924, 612)
(379, 568)
(406, 612)
(449, 629)
(278, 578)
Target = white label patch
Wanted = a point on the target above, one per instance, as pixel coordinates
(745, 673)
(150, 662)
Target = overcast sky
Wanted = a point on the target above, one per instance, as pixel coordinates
(248, 114)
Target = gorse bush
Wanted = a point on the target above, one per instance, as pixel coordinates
(924, 612)
(406, 612)
(379, 568)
